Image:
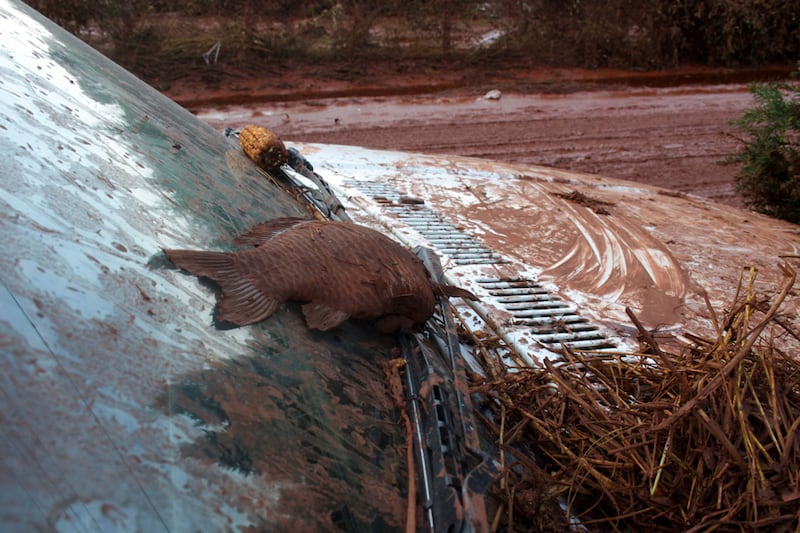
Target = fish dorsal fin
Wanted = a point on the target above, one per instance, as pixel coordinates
(323, 317)
(263, 232)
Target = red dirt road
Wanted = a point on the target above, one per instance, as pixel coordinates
(669, 137)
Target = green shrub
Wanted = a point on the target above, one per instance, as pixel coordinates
(769, 178)
(729, 32)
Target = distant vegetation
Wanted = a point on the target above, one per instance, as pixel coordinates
(145, 35)
(769, 177)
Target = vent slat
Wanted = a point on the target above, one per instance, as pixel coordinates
(517, 292)
(508, 284)
(541, 304)
(553, 312)
(591, 345)
(573, 327)
(593, 335)
(479, 261)
(538, 296)
(550, 321)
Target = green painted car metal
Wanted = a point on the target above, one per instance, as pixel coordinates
(125, 407)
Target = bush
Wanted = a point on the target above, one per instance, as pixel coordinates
(629, 33)
(729, 32)
(769, 178)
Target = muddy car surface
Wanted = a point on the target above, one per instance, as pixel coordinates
(124, 406)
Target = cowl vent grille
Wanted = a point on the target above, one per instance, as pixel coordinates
(534, 311)
(552, 321)
(448, 240)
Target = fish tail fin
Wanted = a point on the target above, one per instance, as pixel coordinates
(241, 302)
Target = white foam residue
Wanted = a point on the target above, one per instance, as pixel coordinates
(110, 414)
(146, 196)
(41, 275)
(28, 40)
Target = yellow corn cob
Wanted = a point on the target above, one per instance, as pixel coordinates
(263, 146)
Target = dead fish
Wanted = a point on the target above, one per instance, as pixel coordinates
(338, 270)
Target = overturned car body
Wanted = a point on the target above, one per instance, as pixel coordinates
(126, 407)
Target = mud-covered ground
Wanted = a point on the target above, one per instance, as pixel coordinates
(655, 130)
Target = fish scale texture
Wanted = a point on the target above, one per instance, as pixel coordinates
(341, 270)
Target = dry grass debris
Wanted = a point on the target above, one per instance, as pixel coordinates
(704, 438)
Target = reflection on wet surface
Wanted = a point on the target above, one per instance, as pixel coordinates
(124, 407)
(314, 423)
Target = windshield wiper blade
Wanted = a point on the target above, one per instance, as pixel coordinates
(454, 472)
(318, 196)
